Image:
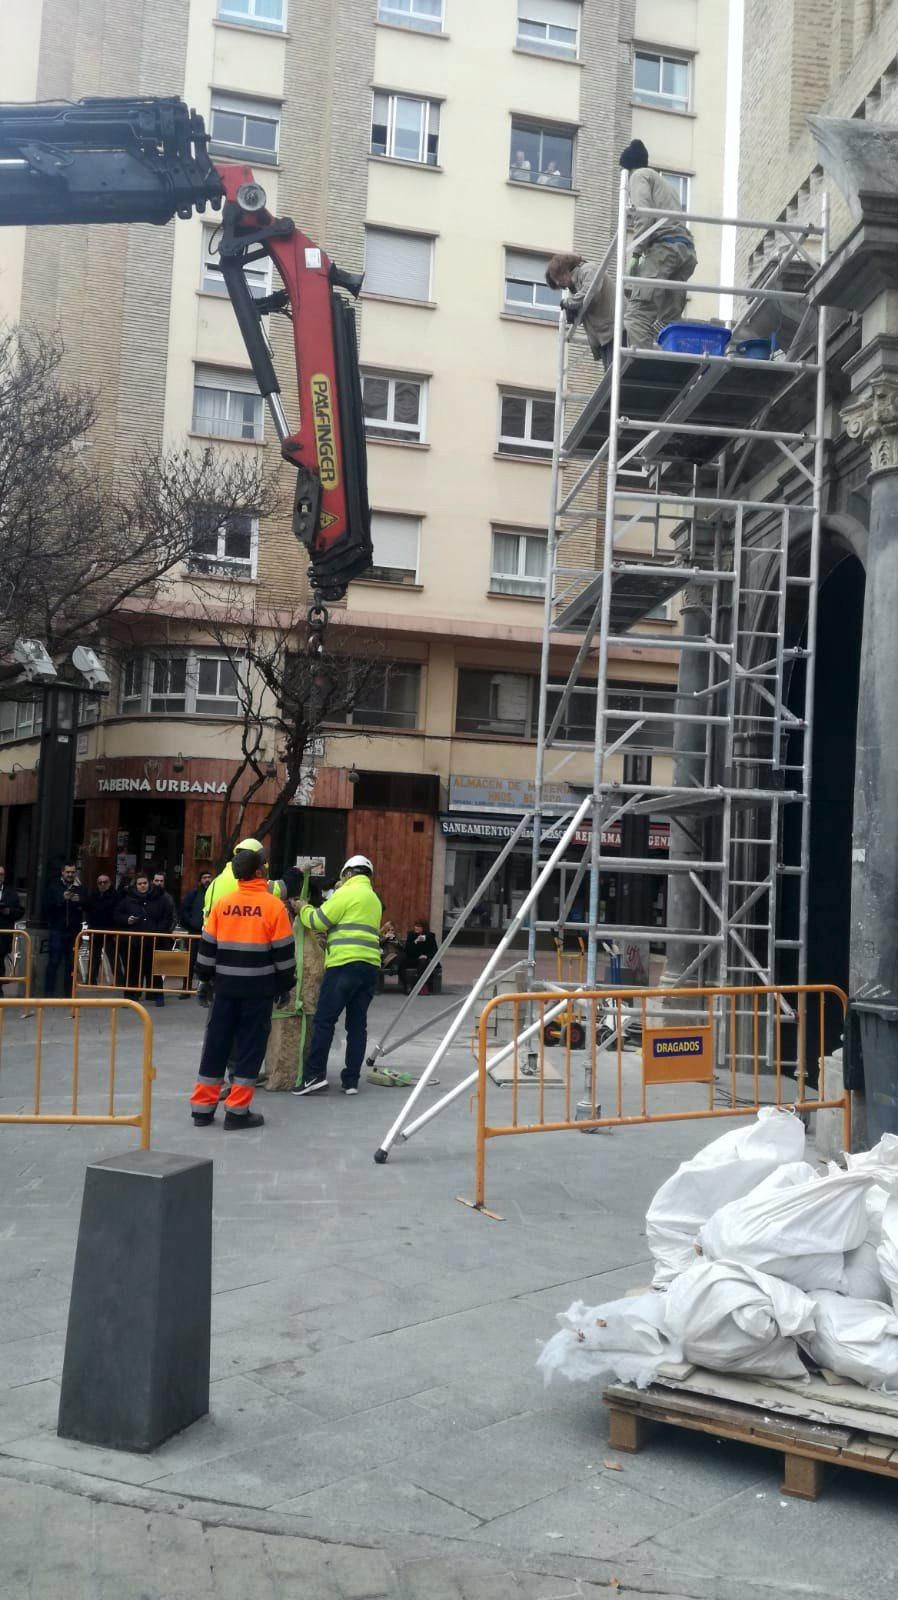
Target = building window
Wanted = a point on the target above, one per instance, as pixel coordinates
(168, 684)
(679, 182)
(389, 699)
(257, 273)
(216, 687)
(526, 424)
(526, 292)
(132, 684)
(541, 154)
(395, 407)
(500, 703)
(396, 540)
(224, 546)
(660, 80)
(255, 13)
(227, 405)
(405, 128)
(20, 719)
(398, 264)
(578, 723)
(427, 15)
(247, 130)
(185, 683)
(550, 27)
(519, 563)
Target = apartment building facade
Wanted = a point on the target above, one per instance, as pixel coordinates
(448, 149)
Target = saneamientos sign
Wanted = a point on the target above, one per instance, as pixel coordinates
(159, 786)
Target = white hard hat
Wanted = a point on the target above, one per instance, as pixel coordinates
(357, 864)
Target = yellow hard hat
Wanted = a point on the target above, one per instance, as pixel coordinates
(251, 844)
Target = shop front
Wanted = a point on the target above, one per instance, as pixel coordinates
(474, 837)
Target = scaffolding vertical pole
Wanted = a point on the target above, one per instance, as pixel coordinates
(595, 844)
(539, 775)
(814, 577)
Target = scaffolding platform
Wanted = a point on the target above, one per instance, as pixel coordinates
(713, 396)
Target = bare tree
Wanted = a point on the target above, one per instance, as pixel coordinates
(79, 538)
(289, 698)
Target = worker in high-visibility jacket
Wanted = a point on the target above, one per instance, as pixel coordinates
(226, 883)
(350, 921)
(246, 961)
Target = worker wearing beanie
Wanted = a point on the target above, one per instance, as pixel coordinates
(350, 921)
(247, 956)
(667, 252)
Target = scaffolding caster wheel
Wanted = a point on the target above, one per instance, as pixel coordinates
(380, 1156)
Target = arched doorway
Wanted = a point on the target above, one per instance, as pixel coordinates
(839, 629)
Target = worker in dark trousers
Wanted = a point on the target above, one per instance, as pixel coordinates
(350, 922)
(247, 958)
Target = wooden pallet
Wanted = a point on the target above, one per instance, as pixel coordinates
(808, 1447)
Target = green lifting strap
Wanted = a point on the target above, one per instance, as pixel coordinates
(298, 1009)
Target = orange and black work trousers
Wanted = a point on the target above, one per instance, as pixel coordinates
(237, 1033)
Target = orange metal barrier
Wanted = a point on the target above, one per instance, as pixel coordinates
(75, 1009)
(22, 949)
(714, 1038)
(135, 962)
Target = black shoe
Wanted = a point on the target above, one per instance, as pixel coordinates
(203, 1118)
(246, 1119)
(311, 1086)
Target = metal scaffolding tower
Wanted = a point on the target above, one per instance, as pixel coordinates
(652, 498)
(649, 473)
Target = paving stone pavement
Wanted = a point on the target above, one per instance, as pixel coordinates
(377, 1424)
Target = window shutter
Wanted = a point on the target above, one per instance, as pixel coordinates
(395, 540)
(398, 264)
(530, 269)
(562, 13)
(225, 378)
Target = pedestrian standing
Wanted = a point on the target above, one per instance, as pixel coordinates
(168, 918)
(351, 921)
(140, 911)
(192, 918)
(10, 912)
(63, 914)
(667, 252)
(245, 966)
(99, 909)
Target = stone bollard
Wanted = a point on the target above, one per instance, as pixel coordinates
(136, 1366)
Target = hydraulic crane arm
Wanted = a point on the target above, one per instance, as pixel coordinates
(147, 160)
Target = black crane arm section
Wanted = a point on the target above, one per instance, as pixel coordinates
(147, 160)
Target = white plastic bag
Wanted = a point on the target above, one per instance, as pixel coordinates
(862, 1278)
(796, 1231)
(884, 1154)
(855, 1339)
(626, 1337)
(731, 1318)
(724, 1170)
(887, 1253)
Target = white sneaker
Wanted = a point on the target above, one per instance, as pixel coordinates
(350, 1091)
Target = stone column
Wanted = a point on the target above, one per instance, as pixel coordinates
(873, 417)
(684, 903)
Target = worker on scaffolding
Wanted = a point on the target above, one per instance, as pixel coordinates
(590, 296)
(666, 249)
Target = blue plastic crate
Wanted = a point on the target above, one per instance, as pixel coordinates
(694, 338)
